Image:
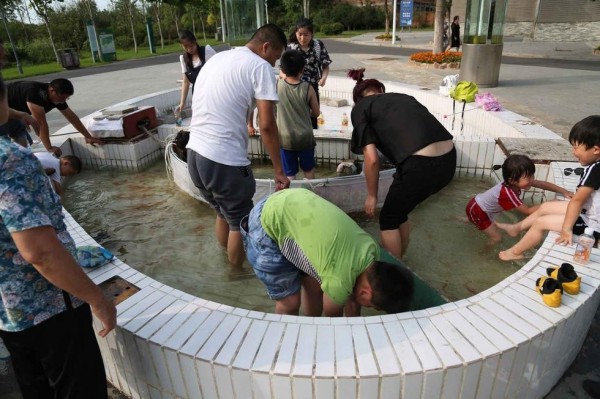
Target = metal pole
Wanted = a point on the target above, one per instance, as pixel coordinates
(12, 44)
(394, 23)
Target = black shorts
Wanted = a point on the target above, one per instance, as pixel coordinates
(416, 179)
(228, 189)
(579, 228)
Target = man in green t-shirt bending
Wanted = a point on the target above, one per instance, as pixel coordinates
(295, 239)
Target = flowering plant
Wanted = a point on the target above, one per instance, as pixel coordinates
(440, 58)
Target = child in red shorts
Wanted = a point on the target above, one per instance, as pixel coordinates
(518, 174)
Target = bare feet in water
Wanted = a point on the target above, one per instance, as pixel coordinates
(509, 255)
(511, 229)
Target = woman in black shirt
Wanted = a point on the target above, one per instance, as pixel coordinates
(405, 132)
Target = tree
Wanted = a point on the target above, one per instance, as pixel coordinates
(438, 26)
(130, 9)
(41, 9)
(386, 11)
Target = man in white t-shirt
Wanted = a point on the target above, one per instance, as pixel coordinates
(230, 86)
(55, 168)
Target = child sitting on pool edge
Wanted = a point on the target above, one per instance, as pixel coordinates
(518, 173)
(572, 217)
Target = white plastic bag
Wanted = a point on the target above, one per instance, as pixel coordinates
(448, 83)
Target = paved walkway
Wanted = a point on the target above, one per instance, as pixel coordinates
(550, 95)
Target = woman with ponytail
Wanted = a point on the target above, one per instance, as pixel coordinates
(404, 131)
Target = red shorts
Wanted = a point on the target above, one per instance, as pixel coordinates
(477, 216)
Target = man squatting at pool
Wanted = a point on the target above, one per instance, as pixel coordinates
(36, 99)
(308, 252)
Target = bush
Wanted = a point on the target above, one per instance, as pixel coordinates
(335, 28)
(440, 58)
(37, 51)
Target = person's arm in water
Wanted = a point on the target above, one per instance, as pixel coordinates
(270, 138)
(39, 114)
(77, 124)
(371, 169)
(40, 247)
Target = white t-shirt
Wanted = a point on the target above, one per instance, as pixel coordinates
(208, 52)
(49, 161)
(226, 89)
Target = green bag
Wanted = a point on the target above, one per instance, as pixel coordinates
(464, 91)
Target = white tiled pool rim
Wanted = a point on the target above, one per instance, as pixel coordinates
(501, 343)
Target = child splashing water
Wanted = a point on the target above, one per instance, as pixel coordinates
(518, 174)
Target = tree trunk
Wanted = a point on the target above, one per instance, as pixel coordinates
(51, 38)
(387, 18)
(203, 30)
(438, 31)
(160, 32)
(129, 7)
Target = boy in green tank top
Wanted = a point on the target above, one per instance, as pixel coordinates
(297, 241)
(297, 99)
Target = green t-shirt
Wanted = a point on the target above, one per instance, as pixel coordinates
(320, 239)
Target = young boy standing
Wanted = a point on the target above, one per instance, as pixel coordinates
(297, 100)
(297, 241)
(572, 217)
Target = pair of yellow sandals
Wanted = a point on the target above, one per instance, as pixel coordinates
(559, 278)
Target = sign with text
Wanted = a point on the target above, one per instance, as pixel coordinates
(406, 12)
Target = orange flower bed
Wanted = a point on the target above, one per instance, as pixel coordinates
(440, 58)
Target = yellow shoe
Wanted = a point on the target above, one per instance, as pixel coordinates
(551, 291)
(567, 276)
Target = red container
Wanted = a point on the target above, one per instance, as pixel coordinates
(145, 116)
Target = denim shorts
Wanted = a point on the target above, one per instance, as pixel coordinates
(280, 276)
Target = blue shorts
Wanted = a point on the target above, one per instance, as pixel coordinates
(290, 160)
(280, 276)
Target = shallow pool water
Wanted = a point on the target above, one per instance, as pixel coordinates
(151, 225)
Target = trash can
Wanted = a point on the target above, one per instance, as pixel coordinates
(69, 58)
(219, 34)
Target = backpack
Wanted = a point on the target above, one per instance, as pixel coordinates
(463, 91)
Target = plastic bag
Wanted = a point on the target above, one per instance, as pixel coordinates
(93, 256)
(464, 91)
(448, 83)
(487, 101)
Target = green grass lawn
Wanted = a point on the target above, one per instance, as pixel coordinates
(85, 57)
